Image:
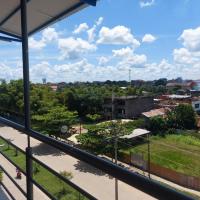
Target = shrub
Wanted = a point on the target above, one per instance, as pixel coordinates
(93, 118)
(67, 174)
(157, 125)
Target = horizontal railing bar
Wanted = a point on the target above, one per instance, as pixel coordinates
(8, 192)
(5, 156)
(140, 182)
(13, 181)
(86, 194)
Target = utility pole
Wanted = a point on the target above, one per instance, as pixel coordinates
(116, 180)
(113, 106)
(115, 143)
(149, 162)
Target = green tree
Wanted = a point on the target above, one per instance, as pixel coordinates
(52, 121)
(157, 125)
(182, 117)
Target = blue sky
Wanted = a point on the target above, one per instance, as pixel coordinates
(153, 38)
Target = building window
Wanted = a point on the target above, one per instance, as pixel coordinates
(121, 111)
(196, 105)
(121, 102)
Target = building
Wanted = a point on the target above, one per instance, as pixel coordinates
(127, 107)
(171, 101)
(195, 101)
(185, 85)
(156, 112)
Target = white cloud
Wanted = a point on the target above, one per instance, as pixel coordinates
(73, 48)
(36, 44)
(103, 60)
(185, 57)
(129, 58)
(191, 39)
(81, 28)
(124, 52)
(91, 34)
(10, 73)
(148, 38)
(146, 3)
(119, 35)
(48, 35)
(99, 21)
(189, 54)
(92, 31)
(42, 70)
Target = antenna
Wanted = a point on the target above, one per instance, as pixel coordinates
(129, 76)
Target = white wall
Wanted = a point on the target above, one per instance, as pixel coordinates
(196, 105)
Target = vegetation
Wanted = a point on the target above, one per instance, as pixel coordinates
(1, 176)
(182, 117)
(99, 138)
(56, 187)
(52, 121)
(179, 152)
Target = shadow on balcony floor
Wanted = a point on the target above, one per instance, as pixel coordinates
(44, 149)
(3, 195)
(86, 168)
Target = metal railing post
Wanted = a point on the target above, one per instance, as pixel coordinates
(25, 56)
(29, 173)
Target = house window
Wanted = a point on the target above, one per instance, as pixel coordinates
(196, 105)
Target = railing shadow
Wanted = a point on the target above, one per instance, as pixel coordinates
(86, 168)
(3, 195)
(44, 149)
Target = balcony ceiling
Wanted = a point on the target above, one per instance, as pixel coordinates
(40, 14)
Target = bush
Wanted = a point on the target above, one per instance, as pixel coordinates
(157, 125)
(93, 118)
(67, 175)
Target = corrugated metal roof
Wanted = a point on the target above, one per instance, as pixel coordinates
(136, 133)
(40, 14)
(156, 112)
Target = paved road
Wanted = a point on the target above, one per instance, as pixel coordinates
(87, 177)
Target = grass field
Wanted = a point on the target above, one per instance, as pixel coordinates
(180, 152)
(50, 182)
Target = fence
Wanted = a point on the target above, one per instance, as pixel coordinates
(169, 174)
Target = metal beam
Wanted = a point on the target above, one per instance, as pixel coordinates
(90, 2)
(10, 34)
(11, 14)
(8, 39)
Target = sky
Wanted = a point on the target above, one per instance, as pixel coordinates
(152, 38)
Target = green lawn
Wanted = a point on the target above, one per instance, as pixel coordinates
(51, 183)
(180, 152)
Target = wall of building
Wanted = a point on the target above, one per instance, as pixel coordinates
(134, 107)
(196, 105)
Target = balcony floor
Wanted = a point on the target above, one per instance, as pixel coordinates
(87, 177)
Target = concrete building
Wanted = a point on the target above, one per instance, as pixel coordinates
(127, 107)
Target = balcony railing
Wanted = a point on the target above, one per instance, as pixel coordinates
(140, 182)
